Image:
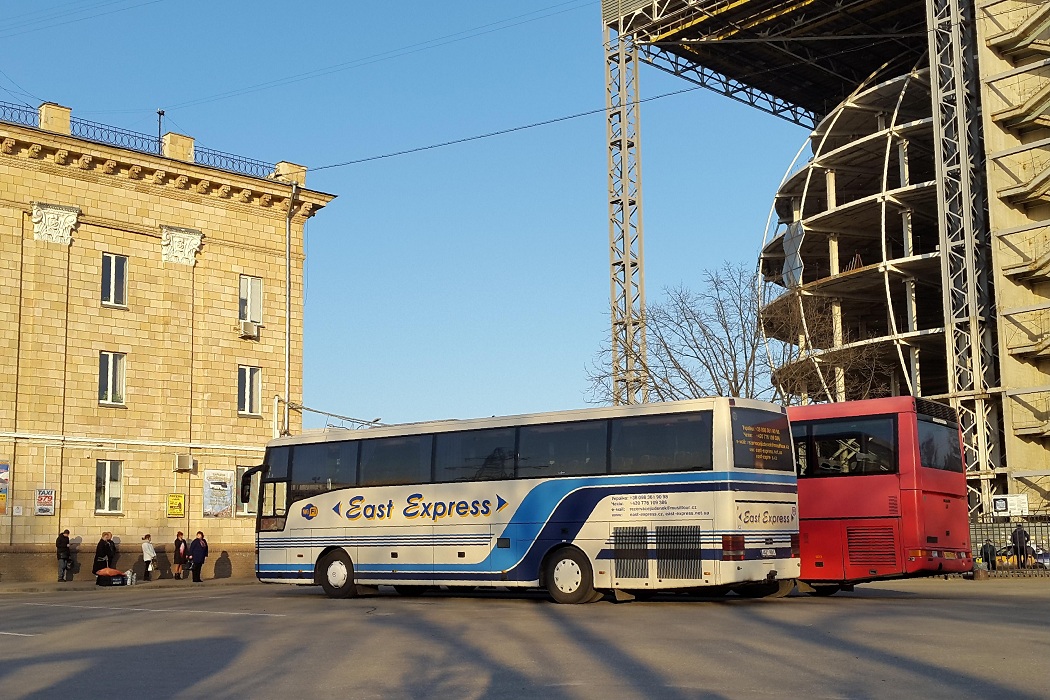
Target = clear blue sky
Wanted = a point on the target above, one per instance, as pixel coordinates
(465, 281)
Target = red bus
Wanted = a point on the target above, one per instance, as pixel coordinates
(881, 492)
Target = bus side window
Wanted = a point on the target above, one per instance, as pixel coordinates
(563, 449)
(476, 455)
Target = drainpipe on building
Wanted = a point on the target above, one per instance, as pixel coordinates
(288, 307)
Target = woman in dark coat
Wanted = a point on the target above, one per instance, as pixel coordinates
(178, 558)
(198, 552)
(103, 553)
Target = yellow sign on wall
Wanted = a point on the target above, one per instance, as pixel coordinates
(176, 505)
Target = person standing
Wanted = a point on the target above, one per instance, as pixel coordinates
(64, 556)
(198, 552)
(1019, 537)
(988, 554)
(105, 553)
(149, 555)
(178, 557)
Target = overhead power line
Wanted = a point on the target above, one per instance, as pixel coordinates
(490, 134)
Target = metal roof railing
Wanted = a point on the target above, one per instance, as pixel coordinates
(135, 141)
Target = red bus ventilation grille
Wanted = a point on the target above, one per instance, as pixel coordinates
(871, 545)
(631, 552)
(678, 553)
(895, 506)
(936, 410)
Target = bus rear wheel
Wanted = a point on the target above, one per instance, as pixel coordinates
(568, 577)
(766, 589)
(337, 575)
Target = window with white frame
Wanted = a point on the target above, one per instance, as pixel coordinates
(249, 507)
(114, 279)
(249, 390)
(111, 377)
(250, 308)
(108, 474)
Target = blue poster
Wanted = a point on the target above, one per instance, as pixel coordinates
(5, 472)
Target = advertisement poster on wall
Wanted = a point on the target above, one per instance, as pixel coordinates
(45, 502)
(176, 505)
(218, 493)
(5, 474)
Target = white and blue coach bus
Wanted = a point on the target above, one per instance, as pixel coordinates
(694, 495)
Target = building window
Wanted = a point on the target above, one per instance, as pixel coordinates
(250, 308)
(111, 377)
(114, 279)
(249, 390)
(249, 507)
(107, 485)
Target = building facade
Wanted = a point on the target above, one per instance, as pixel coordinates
(151, 314)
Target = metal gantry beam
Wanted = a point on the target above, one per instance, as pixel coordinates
(627, 279)
(965, 243)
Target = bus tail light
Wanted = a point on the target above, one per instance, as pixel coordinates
(919, 553)
(795, 552)
(732, 548)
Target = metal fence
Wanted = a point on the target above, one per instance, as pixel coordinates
(19, 114)
(998, 530)
(136, 141)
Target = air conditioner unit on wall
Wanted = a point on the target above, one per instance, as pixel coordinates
(249, 329)
(184, 463)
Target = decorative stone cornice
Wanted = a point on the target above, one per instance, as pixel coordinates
(193, 180)
(54, 223)
(179, 245)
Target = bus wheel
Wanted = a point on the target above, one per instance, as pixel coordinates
(766, 589)
(568, 577)
(337, 575)
(825, 590)
(412, 591)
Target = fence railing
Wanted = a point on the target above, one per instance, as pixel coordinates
(998, 530)
(19, 114)
(111, 135)
(136, 141)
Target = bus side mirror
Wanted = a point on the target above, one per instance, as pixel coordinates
(246, 484)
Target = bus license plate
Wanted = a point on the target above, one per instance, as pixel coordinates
(769, 552)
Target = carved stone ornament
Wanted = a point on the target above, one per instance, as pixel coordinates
(182, 182)
(135, 172)
(158, 177)
(61, 156)
(246, 195)
(224, 191)
(53, 223)
(265, 200)
(84, 162)
(109, 167)
(203, 186)
(34, 150)
(179, 245)
(7, 146)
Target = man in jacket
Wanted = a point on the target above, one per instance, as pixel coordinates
(64, 555)
(1020, 539)
(198, 552)
(988, 554)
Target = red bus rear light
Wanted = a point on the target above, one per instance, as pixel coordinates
(795, 552)
(732, 548)
(919, 553)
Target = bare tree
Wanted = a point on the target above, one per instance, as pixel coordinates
(711, 343)
(700, 343)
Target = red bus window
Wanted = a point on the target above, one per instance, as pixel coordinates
(851, 446)
(939, 446)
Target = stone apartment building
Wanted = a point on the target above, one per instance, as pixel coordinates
(143, 346)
